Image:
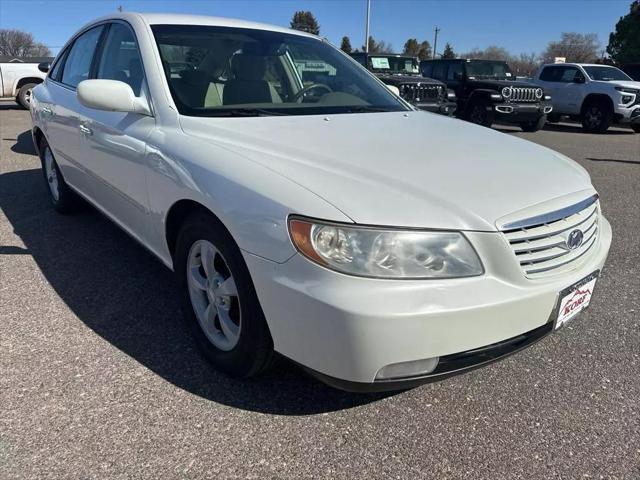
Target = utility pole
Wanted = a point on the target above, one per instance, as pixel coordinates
(366, 35)
(119, 8)
(435, 41)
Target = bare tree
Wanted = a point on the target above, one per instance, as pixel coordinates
(378, 46)
(492, 52)
(16, 43)
(525, 65)
(575, 47)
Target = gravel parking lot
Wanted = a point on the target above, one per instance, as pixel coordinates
(99, 379)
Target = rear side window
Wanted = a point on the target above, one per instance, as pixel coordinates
(549, 74)
(78, 62)
(455, 71)
(438, 71)
(120, 58)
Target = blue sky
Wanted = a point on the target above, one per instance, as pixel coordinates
(518, 25)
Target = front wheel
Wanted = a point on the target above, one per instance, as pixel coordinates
(220, 304)
(534, 125)
(597, 117)
(24, 95)
(480, 113)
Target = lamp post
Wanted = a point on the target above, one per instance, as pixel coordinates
(366, 35)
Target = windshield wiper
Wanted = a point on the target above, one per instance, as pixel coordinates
(246, 112)
(367, 109)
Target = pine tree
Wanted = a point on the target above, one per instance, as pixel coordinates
(448, 51)
(345, 45)
(305, 22)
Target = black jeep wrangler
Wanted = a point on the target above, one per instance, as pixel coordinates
(487, 91)
(403, 72)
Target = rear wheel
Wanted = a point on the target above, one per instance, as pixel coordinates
(220, 304)
(480, 113)
(63, 199)
(597, 116)
(24, 95)
(535, 125)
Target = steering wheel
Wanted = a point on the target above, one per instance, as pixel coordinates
(297, 97)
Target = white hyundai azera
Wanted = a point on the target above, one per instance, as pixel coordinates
(307, 210)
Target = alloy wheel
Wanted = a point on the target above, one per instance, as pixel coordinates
(214, 295)
(593, 117)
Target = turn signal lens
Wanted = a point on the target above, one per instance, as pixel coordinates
(385, 253)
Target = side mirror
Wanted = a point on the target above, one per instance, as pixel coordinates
(395, 90)
(110, 95)
(44, 67)
(578, 79)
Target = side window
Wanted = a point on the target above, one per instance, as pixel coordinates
(569, 74)
(455, 72)
(549, 74)
(427, 69)
(438, 71)
(78, 61)
(120, 58)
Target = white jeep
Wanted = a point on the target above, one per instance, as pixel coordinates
(597, 95)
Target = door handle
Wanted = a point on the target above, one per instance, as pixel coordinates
(47, 110)
(85, 130)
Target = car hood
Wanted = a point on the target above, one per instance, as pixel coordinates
(498, 84)
(412, 169)
(621, 83)
(398, 79)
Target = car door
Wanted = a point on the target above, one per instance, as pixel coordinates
(114, 143)
(62, 112)
(572, 84)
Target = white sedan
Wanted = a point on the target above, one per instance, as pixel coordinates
(307, 210)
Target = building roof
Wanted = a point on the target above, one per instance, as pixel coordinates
(10, 59)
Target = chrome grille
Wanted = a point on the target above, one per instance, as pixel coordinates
(415, 92)
(523, 94)
(543, 245)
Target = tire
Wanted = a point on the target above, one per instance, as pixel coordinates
(244, 347)
(534, 125)
(480, 113)
(553, 118)
(635, 128)
(24, 95)
(597, 116)
(63, 199)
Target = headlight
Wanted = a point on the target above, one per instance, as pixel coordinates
(385, 253)
(628, 90)
(539, 93)
(506, 92)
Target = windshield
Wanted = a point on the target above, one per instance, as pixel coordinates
(392, 64)
(482, 69)
(605, 73)
(224, 71)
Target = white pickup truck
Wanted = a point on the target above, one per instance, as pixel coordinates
(18, 76)
(596, 95)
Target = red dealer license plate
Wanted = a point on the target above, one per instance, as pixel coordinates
(575, 299)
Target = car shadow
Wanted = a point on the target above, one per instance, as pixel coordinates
(10, 106)
(24, 143)
(616, 160)
(125, 295)
(571, 128)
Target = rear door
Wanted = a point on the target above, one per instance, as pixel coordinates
(114, 143)
(61, 116)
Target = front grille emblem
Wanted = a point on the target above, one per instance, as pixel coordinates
(574, 240)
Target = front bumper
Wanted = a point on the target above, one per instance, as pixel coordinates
(520, 112)
(346, 329)
(444, 108)
(628, 115)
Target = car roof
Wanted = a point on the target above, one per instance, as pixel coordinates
(577, 65)
(183, 19)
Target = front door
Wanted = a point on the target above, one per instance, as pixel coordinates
(114, 143)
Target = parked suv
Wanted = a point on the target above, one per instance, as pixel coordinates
(403, 72)
(486, 91)
(597, 95)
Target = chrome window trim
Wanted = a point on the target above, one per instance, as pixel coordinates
(551, 216)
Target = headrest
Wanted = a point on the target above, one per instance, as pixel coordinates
(248, 67)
